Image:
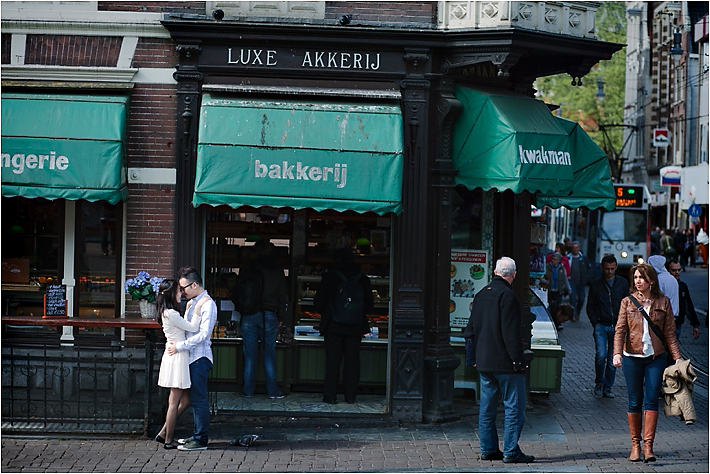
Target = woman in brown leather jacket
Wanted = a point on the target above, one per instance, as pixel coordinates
(644, 357)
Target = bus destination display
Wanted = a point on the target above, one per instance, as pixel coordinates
(629, 196)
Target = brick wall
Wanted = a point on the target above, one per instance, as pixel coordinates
(152, 126)
(150, 216)
(420, 13)
(69, 50)
(155, 52)
(153, 7)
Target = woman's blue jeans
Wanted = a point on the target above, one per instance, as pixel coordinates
(255, 327)
(512, 388)
(643, 381)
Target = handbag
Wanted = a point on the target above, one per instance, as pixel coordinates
(656, 330)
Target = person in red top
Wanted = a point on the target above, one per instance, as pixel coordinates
(562, 250)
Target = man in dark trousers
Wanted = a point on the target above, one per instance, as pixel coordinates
(495, 326)
(342, 339)
(685, 303)
(605, 295)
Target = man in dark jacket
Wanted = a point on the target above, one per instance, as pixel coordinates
(495, 326)
(685, 303)
(342, 341)
(605, 295)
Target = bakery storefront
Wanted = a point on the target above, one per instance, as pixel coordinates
(318, 137)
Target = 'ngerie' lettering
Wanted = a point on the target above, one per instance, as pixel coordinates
(21, 161)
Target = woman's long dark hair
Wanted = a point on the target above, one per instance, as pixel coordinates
(649, 274)
(166, 299)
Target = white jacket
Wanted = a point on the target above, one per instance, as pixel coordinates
(678, 391)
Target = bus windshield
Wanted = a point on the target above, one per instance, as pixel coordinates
(626, 225)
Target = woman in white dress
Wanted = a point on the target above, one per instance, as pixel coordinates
(174, 369)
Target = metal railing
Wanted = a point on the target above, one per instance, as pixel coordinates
(69, 389)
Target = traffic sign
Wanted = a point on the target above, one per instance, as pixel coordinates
(695, 210)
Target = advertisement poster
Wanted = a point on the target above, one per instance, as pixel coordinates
(468, 274)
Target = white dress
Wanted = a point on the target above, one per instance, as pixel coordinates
(174, 369)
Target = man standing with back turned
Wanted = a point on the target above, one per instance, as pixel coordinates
(495, 326)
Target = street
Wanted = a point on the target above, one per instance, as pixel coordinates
(571, 431)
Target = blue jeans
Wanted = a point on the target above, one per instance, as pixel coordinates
(576, 297)
(603, 359)
(643, 381)
(199, 371)
(255, 327)
(512, 389)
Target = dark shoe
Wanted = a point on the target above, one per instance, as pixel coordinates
(519, 458)
(278, 397)
(192, 446)
(497, 456)
(170, 446)
(159, 439)
(331, 401)
(608, 393)
(185, 440)
(598, 391)
(246, 440)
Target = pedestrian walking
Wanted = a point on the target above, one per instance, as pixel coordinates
(198, 345)
(643, 331)
(495, 329)
(603, 302)
(577, 279)
(174, 369)
(685, 303)
(556, 279)
(666, 282)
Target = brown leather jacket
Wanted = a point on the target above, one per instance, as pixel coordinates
(629, 328)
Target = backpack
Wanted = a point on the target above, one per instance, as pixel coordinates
(248, 290)
(349, 302)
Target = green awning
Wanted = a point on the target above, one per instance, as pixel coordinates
(507, 141)
(64, 146)
(593, 187)
(299, 154)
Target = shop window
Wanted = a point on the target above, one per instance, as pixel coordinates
(97, 261)
(34, 252)
(32, 240)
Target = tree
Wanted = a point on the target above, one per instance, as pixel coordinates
(579, 103)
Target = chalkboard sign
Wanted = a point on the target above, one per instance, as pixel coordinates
(55, 301)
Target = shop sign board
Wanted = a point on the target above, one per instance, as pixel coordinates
(670, 175)
(660, 137)
(467, 275)
(258, 57)
(55, 301)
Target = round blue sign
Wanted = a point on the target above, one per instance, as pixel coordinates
(694, 210)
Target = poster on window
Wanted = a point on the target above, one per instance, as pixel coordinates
(468, 274)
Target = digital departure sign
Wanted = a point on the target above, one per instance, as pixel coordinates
(629, 196)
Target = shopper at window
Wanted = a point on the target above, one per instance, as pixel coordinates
(342, 339)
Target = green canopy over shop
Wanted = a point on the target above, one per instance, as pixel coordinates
(58, 146)
(299, 154)
(593, 187)
(507, 141)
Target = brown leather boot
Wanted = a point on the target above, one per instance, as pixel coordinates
(635, 429)
(650, 419)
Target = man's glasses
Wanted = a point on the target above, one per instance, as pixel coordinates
(182, 288)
